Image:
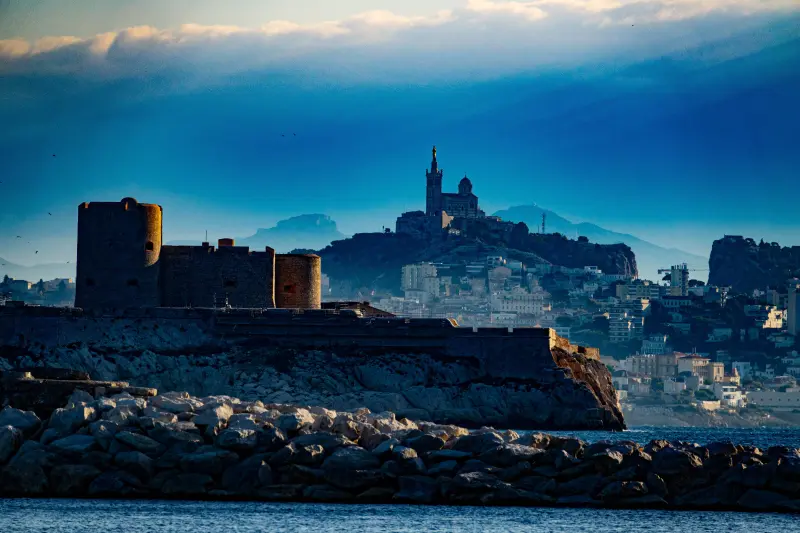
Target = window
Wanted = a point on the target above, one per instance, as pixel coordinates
(149, 246)
(133, 282)
(290, 289)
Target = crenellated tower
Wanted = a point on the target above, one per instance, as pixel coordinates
(433, 196)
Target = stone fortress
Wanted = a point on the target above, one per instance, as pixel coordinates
(122, 263)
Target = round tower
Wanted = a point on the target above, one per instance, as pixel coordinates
(298, 281)
(119, 245)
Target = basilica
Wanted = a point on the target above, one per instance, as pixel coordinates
(463, 204)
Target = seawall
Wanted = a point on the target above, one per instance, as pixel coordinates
(174, 445)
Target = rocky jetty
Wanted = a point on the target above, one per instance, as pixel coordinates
(173, 445)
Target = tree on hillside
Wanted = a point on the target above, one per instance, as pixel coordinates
(40, 287)
(6, 280)
(62, 286)
(696, 283)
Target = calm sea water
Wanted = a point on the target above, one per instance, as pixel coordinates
(110, 516)
(761, 437)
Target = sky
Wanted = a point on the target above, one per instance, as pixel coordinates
(673, 120)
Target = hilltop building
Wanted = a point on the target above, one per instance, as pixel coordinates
(440, 207)
(122, 263)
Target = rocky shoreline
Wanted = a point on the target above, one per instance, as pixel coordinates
(174, 445)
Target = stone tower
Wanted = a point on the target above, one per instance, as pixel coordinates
(298, 281)
(433, 196)
(119, 247)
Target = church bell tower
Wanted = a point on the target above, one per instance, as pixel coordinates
(433, 189)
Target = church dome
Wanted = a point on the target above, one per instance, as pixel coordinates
(465, 186)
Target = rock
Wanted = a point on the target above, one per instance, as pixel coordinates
(425, 443)
(75, 443)
(416, 489)
(647, 501)
(10, 441)
(49, 435)
(519, 470)
(401, 453)
(115, 483)
(446, 468)
(278, 493)
(322, 422)
(726, 449)
(672, 462)
(581, 485)
(656, 485)
(328, 441)
(477, 481)
(508, 454)
(247, 476)
(72, 480)
(476, 465)
(384, 449)
(210, 462)
(68, 421)
(104, 404)
(290, 422)
(536, 484)
(326, 493)
(346, 427)
(136, 463)
(271, 439)
(103, 430)
(79, 397)
(192, 484)
(122, 416)
(214, 417)
(761, 500)
(243, 421)
(353, 458)
(376, 495)
(175, 402)
(25, 473)
(171, 437)
(477, 444)
(140, 443)
(447, 455)
(236, 439)
(25, 421)
(352, 479)
(300, 475)
(150, 412)
(617, 490)
(608, 461)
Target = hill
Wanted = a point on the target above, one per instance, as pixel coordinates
(34, 273)
(649, 257)
(303, 231)
(370, 262)
(744, 265)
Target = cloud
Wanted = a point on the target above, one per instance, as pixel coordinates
(492, 34)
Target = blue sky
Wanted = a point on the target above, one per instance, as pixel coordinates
(675, 120)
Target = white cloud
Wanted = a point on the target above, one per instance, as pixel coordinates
(503, 29)
(528, 10)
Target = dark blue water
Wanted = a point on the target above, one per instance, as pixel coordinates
(760, 437)
(110, 516)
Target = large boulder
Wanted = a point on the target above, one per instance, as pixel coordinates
(351, 458)
(136, 463)
(426, 443)
(75, 443)
(672, 462)
(211, 462)
(122, 415)
(187, 485)
(328, 441)
(116, 483)
(353, 479)
(236, 439)
(176, 402)
(417, 489)
(477, 444)
(247, 476)
(25, 473)
(619, 490)
(25, 421)
(214, 417)
(290, 422)
(140, 443)
(509, 454)
(72, 480)
(10, 441)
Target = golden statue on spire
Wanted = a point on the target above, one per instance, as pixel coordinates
(434, 151)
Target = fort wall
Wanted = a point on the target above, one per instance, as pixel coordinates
(119, 247)
(204, 276)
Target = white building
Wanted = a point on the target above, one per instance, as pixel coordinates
(656, 345)
(775, 400)
(519, 301)
(413, 275)
(679, 280)
(729, 395)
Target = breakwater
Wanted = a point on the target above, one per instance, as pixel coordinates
(174, 445)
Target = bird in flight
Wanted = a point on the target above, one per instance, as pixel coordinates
(36, 252)
(19, 236)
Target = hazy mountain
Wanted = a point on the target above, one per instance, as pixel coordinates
(34, 273)
(649, 257)
(303, 231)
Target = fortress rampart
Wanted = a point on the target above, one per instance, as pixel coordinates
(123, 264)
(517, 353)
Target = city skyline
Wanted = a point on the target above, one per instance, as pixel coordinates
(233, 119)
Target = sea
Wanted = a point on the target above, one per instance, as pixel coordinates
(153, 516)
